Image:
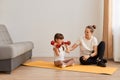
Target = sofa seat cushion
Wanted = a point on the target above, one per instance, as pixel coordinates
(12, 50)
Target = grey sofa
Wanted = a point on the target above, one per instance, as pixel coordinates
(12, 54)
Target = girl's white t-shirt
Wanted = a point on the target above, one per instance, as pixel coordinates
(86, 46)
(61, 54)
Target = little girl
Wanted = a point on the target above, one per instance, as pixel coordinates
(59, 53)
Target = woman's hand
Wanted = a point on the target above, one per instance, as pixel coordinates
(85, 57)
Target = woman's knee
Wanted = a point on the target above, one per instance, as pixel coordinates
(102, 43)
(81, 60)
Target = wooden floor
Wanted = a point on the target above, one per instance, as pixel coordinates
(32, 73)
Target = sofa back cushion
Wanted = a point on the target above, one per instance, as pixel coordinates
(4, 35)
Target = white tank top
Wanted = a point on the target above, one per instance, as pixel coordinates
(61, 55)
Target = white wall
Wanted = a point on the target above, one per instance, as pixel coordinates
(116, 29)
(39, 20)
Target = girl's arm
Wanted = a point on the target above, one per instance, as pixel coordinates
(95, 51)
(67, 49)
(56, 51)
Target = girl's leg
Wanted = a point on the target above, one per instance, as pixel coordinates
(64, 63)
(69, 62)
(58, 63)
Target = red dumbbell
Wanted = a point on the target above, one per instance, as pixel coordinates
(52, 42)
(68, 42)
(57, 45)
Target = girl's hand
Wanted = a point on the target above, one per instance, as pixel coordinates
(85, 57)
(67, 48)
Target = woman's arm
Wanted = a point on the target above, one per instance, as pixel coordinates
(56, 51)
(95, 51)
(68, 49)
(91, 55)
(73, 47)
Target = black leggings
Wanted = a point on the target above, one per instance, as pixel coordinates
(93, 60)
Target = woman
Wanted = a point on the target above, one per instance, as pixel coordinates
(91, 52)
